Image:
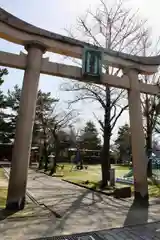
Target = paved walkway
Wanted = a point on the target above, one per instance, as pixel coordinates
(80, 210)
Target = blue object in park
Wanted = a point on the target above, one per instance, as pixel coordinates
(125, 181)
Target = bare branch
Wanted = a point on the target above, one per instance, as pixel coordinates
(118, 115)
(89, 32)
(120, 29)
(114, 113)
(100, 122)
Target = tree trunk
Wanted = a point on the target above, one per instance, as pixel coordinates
(148, 138)
(105, 157)
(149, 152)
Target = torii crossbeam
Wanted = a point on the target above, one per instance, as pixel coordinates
(36, 41)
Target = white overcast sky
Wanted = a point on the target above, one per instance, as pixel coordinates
(55, 15)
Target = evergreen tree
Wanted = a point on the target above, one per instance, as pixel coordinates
(123, 143)
(44, 110)
(89, 137)
(5, 126)
(44, 115)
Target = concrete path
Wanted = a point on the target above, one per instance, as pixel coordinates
(78, 209)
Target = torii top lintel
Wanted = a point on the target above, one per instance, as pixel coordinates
(18, 31)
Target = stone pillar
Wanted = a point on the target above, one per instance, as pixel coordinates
(24, 127)
(139, 157)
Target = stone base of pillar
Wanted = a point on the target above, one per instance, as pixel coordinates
(141, 201)
(16, 205)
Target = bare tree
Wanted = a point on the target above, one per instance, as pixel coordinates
(57, 125)
(150, 104)
(114, 27)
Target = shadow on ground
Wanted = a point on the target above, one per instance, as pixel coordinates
(136, 215)
(81, 210)
(6, 213)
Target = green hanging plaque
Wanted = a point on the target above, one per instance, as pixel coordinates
(92, 64)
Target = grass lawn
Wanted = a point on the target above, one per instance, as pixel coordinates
(3, 197)
(3, 190)
(91, 177)
(154, 190)
(1, 173)
(93, 173)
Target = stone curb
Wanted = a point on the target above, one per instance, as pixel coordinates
(89, 188)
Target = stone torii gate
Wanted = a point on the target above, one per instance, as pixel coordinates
(36, 41)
